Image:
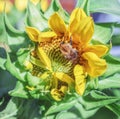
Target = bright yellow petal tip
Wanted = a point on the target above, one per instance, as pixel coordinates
(94, 65)
(57, 24)
(33, 33)
(46, 36)
(99, 50)
(65, 78)
(57, 94)
(81, 26)
(76, 16)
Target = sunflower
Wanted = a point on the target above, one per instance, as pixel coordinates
(67, 53)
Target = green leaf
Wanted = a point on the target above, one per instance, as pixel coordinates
(67, 115)
(32, 80)
(30, 109)
(80, 3)
(19, 91)
(112, 60)
(14, 70)
(2, 62)
(60, 107)
(11, 110)
(103, 32)
(97, 95)
(22, 55)
(23, 109)
(113, 65)
(84, 4)
(97, 99)
(7, 82)
(116, 92)
(35, 18)
(115, 108)
(105, 6)
(16, 39)
(116, 40)
(10, 36)
(3, 36)
(82, 112)
(1, 101)
(55, 6)
(110, 82)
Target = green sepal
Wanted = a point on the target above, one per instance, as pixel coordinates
(103, 32)
(60, 107)
(15, 69)
(23, 55)
(97, 99)
(35, 18)
(2, 63)
(55, 6)
(11, 109)
(20, 90)
(13, 39)
(110, 82)
(102, 6)
(105, 6)
(84, 4)
(32, 80)
(113, 65)
(115, 107)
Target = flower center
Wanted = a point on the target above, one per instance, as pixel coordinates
(61, 55)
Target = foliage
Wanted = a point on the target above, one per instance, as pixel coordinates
(15, 48)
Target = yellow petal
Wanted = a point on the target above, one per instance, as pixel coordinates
(44, 5)
(30, 88)
(44, 58)
(65, 78)
(83, 31)
(46, 36)
(99, 50)
(33, 33)
(28, 65)
(80, 80)
(64, 89)
(44, 75)
(76, 16)
(57, 94)
(37, 62)
(35, 2)
(57, 24)
(94, 65)
(21, 4)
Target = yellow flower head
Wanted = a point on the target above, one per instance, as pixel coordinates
(7, 4)
(67, 53)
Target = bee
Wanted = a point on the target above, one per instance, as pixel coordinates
(68, 51)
